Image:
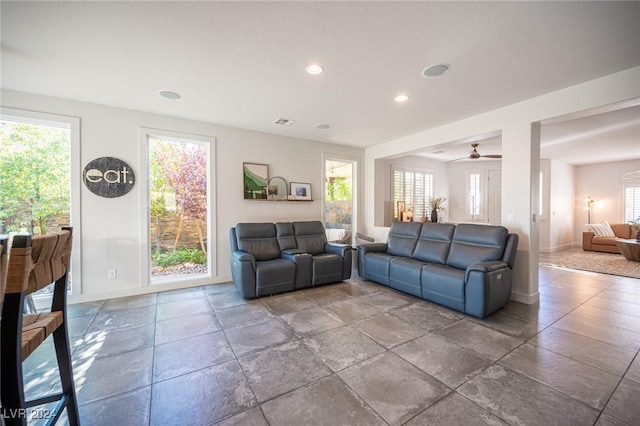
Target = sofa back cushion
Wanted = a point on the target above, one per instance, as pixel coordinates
(623, 230)
(402, 238)
(476, 243)
(258, 239)
(310, 236)
(285, 235)
(434, 242)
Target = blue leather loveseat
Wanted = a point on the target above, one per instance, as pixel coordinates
(466, 267)
(269, 258)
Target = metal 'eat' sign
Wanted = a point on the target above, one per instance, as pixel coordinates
(108, 177)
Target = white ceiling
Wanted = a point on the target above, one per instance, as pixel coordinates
(243, 63)
(611, 133)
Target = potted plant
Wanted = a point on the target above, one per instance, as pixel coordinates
(635, 225)
(437, 205)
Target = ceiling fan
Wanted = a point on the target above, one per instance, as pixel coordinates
(474, 154)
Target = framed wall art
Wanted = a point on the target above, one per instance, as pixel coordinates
(300, 191)
(255, 179)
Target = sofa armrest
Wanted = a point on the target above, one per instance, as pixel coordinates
(243, 256)
(291, 252)
(243, 272)
(304, 266)
(487, 287)
(485, 267)
(337, 248)
(587, 239)
(372, 248)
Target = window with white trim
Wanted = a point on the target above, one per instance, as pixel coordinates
(631, 188)
(414, 187)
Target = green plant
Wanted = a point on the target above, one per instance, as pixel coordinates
(178, 256)
(635, 223)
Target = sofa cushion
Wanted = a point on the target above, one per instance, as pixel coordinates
(404, 275)
(623, 230)
(258, 239)
(434, 242)
(310, 236)
(327, 268)
(286, 238)
(604, 241)
(402, 238)
(275, 276)
(476, 243)
(602, 229)
(444, 285)
(377, 267)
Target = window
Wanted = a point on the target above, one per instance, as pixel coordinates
(631, 186)
(415, 188)
(40, 181)
(339, 207)
(474, 194)
(178, 202)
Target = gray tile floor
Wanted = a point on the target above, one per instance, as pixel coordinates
(356, 353)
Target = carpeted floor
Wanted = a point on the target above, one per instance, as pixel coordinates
(606, 263)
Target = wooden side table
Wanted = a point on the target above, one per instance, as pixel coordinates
(630, 249)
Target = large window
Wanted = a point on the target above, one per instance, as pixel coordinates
(415, 188)
(179, 207)
(40, 181)
(339, 207)
(631, 187)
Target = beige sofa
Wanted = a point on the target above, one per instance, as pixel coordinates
(592, 243)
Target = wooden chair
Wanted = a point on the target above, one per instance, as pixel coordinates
(4, 244)
(34, 263)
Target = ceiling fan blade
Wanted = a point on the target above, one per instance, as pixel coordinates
(458, 159)
(491, 156)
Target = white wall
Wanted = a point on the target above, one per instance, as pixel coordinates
(603, 182)
(111, 228)
(560, 206)
(458, 186)
(520, 161)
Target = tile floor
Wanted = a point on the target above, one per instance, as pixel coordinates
(356, 353)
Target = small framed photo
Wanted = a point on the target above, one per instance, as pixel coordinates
(301, 191)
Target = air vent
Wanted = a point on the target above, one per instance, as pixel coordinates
(284, 122)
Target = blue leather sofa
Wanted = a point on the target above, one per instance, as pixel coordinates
(268, 258)
(466, 267)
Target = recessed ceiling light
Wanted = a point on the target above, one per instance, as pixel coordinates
(435, 70)
(315, 69)
(401, 98)
(168, 94)
(322, 126)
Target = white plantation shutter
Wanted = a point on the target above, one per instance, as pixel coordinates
(631, 185)
(474, 194)
(415, 188)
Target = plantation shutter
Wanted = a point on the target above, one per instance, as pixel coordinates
(414, 187)
(474, 194)
(631, 184)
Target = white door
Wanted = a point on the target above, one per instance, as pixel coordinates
(495, 196)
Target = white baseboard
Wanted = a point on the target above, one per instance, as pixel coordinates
(152, 288)
(558, 248)
(528, 299)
